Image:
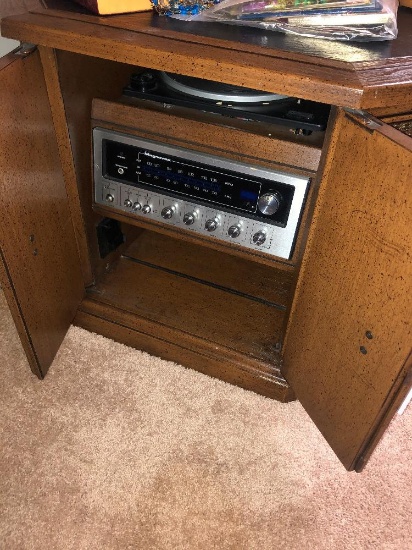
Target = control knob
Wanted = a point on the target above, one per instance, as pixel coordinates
(109, 197)
(189, 218)
(212, 224)
(234, 231)
(143, 82)
(259, 238)
(137, 206)
(128, 203)
(146, 209)
(269, 203)
(168, 212)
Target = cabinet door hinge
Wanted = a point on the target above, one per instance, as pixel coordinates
(25, 49)
(363, 118)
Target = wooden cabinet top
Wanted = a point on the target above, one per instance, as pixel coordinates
(357, 75)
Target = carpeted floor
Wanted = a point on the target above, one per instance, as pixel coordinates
(119, 450)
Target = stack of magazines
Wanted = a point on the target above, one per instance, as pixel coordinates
(360, 20)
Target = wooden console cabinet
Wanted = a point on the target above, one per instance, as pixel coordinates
(331, 326)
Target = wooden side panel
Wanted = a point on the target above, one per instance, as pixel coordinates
(81, 79)
(49, 64)
(40, 266)
(350, 330)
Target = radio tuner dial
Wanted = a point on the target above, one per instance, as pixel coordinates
(269, 203)
(189, 218)
(146, 209)
(212, 224)
(128, 203)
(259, 238)
(168, 212)
(234, 231)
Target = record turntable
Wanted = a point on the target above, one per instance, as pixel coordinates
(300, 116)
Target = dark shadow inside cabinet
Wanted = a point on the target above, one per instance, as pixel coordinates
(208, 306)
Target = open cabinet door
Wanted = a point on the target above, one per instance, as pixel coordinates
(348, 345)
(39, 264)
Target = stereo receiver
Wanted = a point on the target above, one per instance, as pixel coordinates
(255, 207)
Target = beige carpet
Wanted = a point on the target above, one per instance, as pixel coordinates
(118, 450)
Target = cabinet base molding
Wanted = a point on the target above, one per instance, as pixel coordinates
(202, 356)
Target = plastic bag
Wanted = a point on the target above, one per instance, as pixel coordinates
(355, 20)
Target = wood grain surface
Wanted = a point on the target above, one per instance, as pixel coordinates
(65, 146)
(173, 345)
(223, 135)
(269, 283)
(350, 331)
(195, 307)
(381, 77)
(81, 79)
(14, 7)
(37, 243)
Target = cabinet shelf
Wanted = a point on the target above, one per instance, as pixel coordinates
(187, 300)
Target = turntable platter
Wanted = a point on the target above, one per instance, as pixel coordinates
(216, 91)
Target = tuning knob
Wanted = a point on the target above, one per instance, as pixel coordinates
(269, 203)
(189, 218)
(137, 206)
(234, 231)
(168, 212)
(259, 238)
(109, 197)
(128, 203)
(212, 224)
(146, 209)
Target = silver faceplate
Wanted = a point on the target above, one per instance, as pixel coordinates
(278, 242)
